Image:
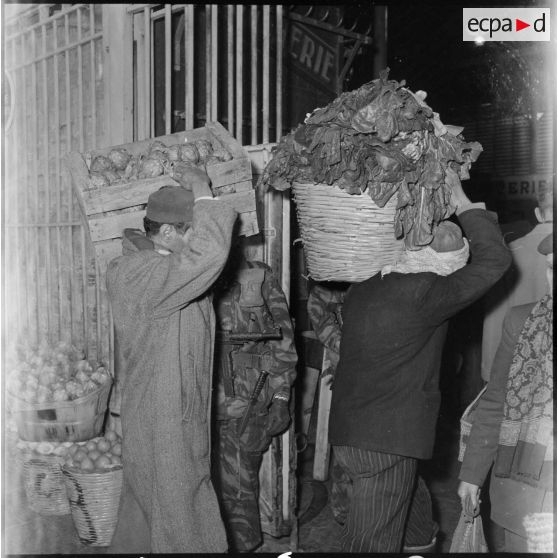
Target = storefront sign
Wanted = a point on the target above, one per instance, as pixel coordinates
(313, 55)
(522, 187)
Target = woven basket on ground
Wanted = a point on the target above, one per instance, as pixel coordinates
(44, 483)
(346, 237)
(94, 500)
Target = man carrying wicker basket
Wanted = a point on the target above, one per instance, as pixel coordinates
(165, 326)
(386, 397)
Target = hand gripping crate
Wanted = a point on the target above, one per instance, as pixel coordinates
(110, 209)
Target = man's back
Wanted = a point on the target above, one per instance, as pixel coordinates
(385, 393)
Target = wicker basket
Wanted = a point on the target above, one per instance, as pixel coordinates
(346, 237)
(44, 483)
(94, 500)
(61, 421)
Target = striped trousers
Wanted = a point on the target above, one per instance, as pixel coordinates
(389, 504)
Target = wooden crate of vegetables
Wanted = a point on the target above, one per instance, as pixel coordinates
(371, 174)
(113, 183)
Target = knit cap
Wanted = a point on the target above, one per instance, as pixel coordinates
(170, 204)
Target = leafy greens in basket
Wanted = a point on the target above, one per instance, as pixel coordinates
(382, 139)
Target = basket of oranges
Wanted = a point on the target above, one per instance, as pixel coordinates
(92, 474)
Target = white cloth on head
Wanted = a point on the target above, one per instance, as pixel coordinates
(428, 260)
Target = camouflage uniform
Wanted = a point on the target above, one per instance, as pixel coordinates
(255, 304)
(324, 309)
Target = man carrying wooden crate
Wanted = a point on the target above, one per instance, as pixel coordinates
(164, 322)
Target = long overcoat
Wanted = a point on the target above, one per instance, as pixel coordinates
(164, 322)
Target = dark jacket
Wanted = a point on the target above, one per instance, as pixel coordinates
(511, 500)
(386, 395)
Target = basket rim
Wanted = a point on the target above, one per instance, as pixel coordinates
(77, 471)
(22, 405)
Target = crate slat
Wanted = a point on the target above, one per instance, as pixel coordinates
(107, 228)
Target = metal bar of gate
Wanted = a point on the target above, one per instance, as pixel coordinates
(16, 189)
(279, 78)
(207, 63)
(189, 66)
(230, 68)
(57, 178)
(24, 145)
(214, 46)
(83, 237)
(92, 78)
(265, 76)
(254, 73)
(35, 171)
(148, 71)
(168, 69)
(70, 197)
(46, 112)
(80, 83)
(58, 51)
(239, 92)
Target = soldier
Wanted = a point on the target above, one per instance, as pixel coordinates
(255, 361)
(324, 306)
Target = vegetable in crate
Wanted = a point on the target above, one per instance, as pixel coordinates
(205, 149)
(98, 179)
(150, 168)
(382, 139)
(189, 153)
(119, 157)
(101, 164)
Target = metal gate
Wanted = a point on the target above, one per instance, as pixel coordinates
(55, 100)
(195, 63)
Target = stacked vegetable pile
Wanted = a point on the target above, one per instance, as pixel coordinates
(54, 373)
(385, 140)
(121, 166)
(95, 455)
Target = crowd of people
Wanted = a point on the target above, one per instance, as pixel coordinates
(207, 362)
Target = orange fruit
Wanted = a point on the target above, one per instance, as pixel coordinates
(103, 445)
(116, 449)
(94, 454)
(115, 460)
(91, 445)
(87, 465)
(102, 462)
(80, 455)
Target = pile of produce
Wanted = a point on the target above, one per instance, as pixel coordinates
(59, 373)
(382, 139)
(121, 166)
(96, 455)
